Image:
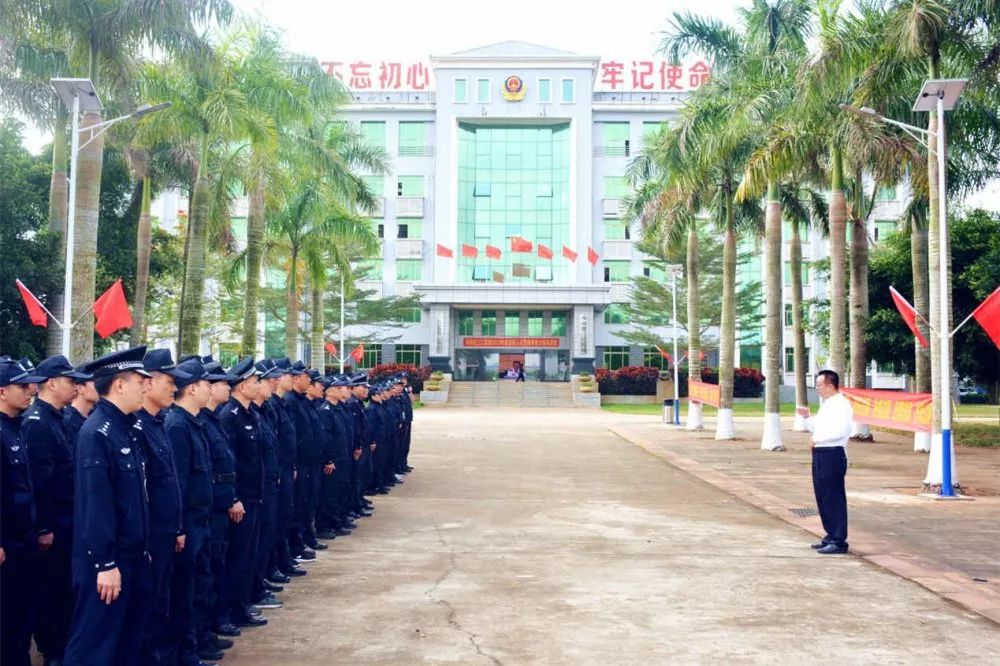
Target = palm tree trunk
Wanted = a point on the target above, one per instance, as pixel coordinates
(838, 265)
(918, 262)
(193, 296)
(798, 332)
(727, 331)
(142, 252)
(771, 440)
(58, 210)
(255, 251)
(292, 308)
(88, 198)
(316, 334)
(859, 309)
(694, 417)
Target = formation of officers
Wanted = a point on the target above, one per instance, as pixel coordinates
(151, 510)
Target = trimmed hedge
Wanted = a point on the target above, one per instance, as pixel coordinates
(640, 380)
(418, 375)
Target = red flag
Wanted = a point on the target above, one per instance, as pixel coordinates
(664, 354)
(569, 254)
(498, 277)
(592, 256)
(358, 353)
(330, 348)
(701, 355)
(443, 251)
(521, 270)
(988, 316)
(35, 310)
(518, 244)
(909, 315)
(111, 311)
(469, 251)
(544, 252)
(492, 252)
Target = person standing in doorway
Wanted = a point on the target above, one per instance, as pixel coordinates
(831, 429)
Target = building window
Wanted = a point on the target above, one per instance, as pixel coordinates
(545, 90)
(480, 273)
(412, 138)
(882, 229)
(534, 324)
(615, 314)
(616, 271)
(489, 322)
(411, 315)
(750, 356)
(543, 274)
(370, 269)
(410, 229)
(615, 357)
(650, 130)
(461, 91)
(790, 359)
(372, 357)
(615, 230)
(410, 186)
(652, 358)
(615, 139)
(409, 270)
(373, 133)
(558, 325)
(887, 194)
(482, 91)
(568, 91)
(788, 315)
(615, 187)
(408, 354)
(465, 322)
(655, 272)
(376, 185)
(787, 272)
(512, 324)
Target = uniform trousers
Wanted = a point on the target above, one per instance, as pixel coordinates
(218, 524)
(17, 606)
(189, 592)
(241, 561)
(283, 520)
(158, 646)
(55, 590)
(265, 538)
(829, 468)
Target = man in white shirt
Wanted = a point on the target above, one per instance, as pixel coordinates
(831, 429)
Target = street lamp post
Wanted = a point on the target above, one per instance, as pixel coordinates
(676, 269)
(938, 95)
(79, 96)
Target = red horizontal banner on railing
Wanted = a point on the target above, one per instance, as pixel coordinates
(891, 409)
(709, 394)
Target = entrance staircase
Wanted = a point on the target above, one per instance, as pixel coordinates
(510, 394)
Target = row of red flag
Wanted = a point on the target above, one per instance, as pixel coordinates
(519, 245)
(358, 354)
(111, 312)
(987, 314)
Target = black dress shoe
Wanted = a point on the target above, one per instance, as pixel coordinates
(832, 549)
(228, 629)
(365, 514)
(210, 654)
(250, 621)
(271, 587)
(294, 571)
(343, 531)
(408, 468)
(817, 546)
(326, 535)
(278, 578)
(223, 643)
(319, 546)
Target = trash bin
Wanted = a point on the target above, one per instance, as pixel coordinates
(671, 412)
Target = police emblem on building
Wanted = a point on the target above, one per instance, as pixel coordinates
(513, 88)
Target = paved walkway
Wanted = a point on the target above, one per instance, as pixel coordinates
(541, 537)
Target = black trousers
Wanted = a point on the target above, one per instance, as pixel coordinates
(283, 519)
(218, 524)
(190, 592)
(307, 488)
(265, 540)
(55, 589)
(407, 432)
(108, 635)
(241, 560)
(17, 606)
(158, 646)
(829, 468)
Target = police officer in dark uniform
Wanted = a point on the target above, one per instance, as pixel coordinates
(50, 454)
(191, 579)
(18, 541)
(263, 591)
(329, 516)
(342, 384)
(282, 566)
(363, 443)
(111, 577)
(76, 412)
(166, 533)
(243, 430)
(407, 404)
(306, 426)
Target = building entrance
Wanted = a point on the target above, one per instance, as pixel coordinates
(484, 365)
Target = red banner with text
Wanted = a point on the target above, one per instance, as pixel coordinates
(891, 409)
(709, 394)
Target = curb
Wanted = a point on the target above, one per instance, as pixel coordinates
(980, 598)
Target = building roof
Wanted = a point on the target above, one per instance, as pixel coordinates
(513, 49)
(515, 53)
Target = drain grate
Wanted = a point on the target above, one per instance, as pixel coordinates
(803, 512)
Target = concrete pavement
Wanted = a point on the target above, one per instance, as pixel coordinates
(539, 536)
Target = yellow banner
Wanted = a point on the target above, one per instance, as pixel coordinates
(709, 394)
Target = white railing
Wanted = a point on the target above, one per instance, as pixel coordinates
(409, 248)
(409, 206)
(617, 249)
(613, 208)
(416, 151)
(621, 292)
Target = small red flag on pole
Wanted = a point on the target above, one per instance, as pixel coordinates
(36, 312)
(664, 354)
(330, 348)
(443, 251)
(592, 256)
(469, 251)
(569, 254)
(111, 311)
(908, 313)
(492, 252)
(518, 244)
(544, 252)
(358, 354)
(988, 316)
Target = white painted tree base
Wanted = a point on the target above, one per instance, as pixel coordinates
(800, 421)
(724, 427)
(771, 440)
(694, 417)
(934, 468)
(921, 442)
(861, 431)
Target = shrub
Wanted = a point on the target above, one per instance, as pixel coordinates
(640, 380)
(418, 375)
